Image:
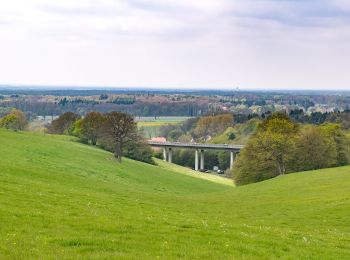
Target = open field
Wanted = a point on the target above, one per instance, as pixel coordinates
(60, 199)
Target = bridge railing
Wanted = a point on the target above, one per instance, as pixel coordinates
(195, 145)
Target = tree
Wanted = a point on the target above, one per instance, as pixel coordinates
(64, 124)
(119, 129)
(269, 151)
(90, 126)
(212, 125)
(224, 160)
(276, 137)
(139, 150)
(103, 96)
(77, 131)
(345, 120)
(341, 142)
(146, 111)
(314, 150)
(15, 120)
(174, 135)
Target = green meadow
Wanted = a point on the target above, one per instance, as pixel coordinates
(60, 199)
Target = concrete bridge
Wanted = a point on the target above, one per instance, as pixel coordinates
(199, 151)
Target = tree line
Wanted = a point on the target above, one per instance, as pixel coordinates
(300, 116)
(79, 106)
(281, 146)
(116, 132)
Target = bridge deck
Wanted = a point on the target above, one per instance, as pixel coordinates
(222, 147)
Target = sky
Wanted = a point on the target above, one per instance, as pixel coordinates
(216, 44)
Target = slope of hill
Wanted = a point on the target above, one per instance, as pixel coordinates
(186, 171)
(239, 134)
(61, 199)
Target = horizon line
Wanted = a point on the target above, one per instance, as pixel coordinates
(135, 88)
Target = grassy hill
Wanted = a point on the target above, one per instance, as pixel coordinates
(184, 170)
(61, 199)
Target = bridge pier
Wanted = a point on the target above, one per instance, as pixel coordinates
(164, 154)
(170, 155)
(196, 160)
(202, 160)
(232, 159)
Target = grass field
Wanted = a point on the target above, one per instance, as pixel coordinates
(184, 170)
(61, 200)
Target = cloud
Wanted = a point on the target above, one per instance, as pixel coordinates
(175, 42)
(178, 17)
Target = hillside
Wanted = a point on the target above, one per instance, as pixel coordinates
(62, 199)
(238, 134)
(187, 171)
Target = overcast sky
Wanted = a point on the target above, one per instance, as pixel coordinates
(253, 44)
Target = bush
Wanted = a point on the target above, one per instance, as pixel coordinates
(231, 136)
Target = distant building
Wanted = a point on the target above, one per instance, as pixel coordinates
(158, 139)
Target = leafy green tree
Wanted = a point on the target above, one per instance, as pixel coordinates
(314, 150)
(90, 126)
(15, 120)
(341, 142)
(175, 134)
(184, 157)
(269, 151)
(139, 150)
(77, 131)
(224, 160)
(118, 129)
(64, 124)
(276, 139)
(212, 125)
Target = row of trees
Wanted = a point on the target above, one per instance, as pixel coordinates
(300, 116)
(140, 108)
(114, 131)
(281, 146)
